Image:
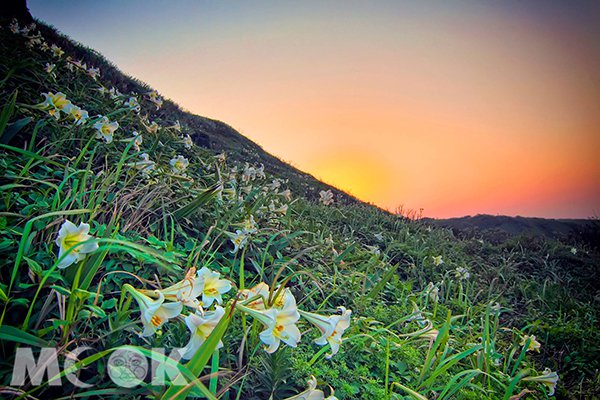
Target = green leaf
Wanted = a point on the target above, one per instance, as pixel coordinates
(6, 113)
(203, 198)
(13, 129)
(14, 334)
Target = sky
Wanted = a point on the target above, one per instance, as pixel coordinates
(453, 107)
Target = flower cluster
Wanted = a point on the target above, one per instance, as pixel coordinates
(57, 105)
(159, 306)
(278, 312)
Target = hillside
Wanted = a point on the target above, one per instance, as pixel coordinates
(487, 225)
(132, 227)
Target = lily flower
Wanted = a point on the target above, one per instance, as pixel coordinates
(179, 164)
(287, 194)
(186, 291)
(213, 287)
(105, 129)
(433, 292)
(548, 378)
(280, 325)
(78, 115)
(176, 126)
(312, 393)
(14, 26)
(260, 291)
(114, 93)
(102, 90)
(156, 99)
(132, 104)
(56, 51)
(239, 239)
(201, 326)
(50, 68)
(250, 225)
(145, 165)
(55, 103)
(154, 313)
(93, 72)
(326, 197)
(69, 236)
(152, 128)
(534, 345)
(260, 172)
(188, 143)
(136, 138)
(462, 273)
(332, 328)
(437, 260)
(278, 210)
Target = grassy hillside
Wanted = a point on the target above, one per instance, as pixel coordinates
(502, 225)
(183, 232)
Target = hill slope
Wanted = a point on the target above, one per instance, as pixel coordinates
(483, 224)
(177, 232)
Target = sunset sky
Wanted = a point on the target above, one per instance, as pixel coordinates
(456, 107)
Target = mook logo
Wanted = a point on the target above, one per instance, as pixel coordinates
(127, 367)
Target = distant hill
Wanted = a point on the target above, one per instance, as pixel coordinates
(483, 224)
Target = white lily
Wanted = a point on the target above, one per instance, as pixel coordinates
(54, 103)
(239, 239)
(154, 313)
(114, 93)
(433, 292)
(332, 328)
(312, 393)
(179, 164)
(260, 291)
(213, 287)
(287, 194)
(132, 104)
(69, 236)
(56, 51)
(549, 378)
(152, 128)
(250, 225)
(106, 129)
(201, 326)
(188, 143)
(280, 325)
(176, 126)
(462, 273)
(14, 26)
(185, 291)
(534, 345)
(50, 68)
(156, 99)
(78, 114)
(145, 165)
(326, 197)
(136, 138)
(93, 72)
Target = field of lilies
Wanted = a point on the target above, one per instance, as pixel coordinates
(120, 236)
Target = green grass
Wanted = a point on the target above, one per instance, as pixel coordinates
(403, 341)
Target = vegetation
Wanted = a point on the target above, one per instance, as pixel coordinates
(433, 315)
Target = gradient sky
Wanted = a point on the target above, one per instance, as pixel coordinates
(456, 107)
